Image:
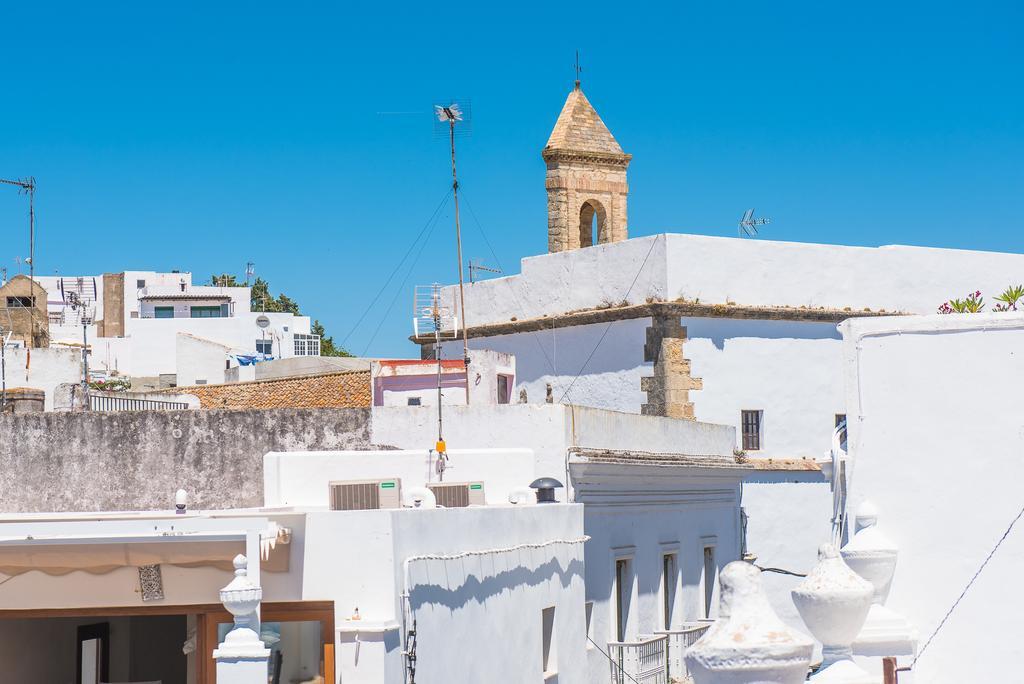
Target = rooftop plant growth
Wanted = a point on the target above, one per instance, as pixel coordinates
(1010, 298)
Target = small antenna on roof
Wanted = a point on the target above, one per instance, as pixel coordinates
(250, 271)
(476, 265)
(748, 224)
(578, 69)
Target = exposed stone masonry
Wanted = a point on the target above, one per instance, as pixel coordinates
(586, 177)
(668, 390)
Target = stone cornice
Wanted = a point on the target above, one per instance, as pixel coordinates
(680, 309)
(551, 154)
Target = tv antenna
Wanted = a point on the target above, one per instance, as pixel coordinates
(85, 312)
(458, 112)
(28, 187)
(476, 266)
(250, 271)
(432, 319)
(748, 224)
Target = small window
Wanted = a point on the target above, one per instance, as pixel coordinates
(841, 423)
(504, 388)
(19, 302)
(139, 284)
(206, 312)
(413, 401)
(751, 428)
(669, 582)
(710, 576)
(265, 347)
(227, 364)
(549, 659)
(163, 312)
(623, 596)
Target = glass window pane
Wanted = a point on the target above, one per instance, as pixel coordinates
(296, 649)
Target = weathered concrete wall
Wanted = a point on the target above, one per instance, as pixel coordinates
(137, 460)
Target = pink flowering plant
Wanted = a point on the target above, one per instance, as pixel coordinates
(972, 303)
(1009, 300)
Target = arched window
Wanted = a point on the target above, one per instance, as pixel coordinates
(592, 224)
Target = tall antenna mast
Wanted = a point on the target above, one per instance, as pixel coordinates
(28, 186)
(451, 114)
(431, 318)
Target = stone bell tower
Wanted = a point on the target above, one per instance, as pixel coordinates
(586, 178)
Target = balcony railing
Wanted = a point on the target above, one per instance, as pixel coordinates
(644, 661)
(108, 403)
(678, 641)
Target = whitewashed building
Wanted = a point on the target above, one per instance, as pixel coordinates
(935, 444)
(401, 566)
(135, 318)
(732, 331)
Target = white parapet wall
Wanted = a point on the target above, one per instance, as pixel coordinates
(936, 436)
(301, 478)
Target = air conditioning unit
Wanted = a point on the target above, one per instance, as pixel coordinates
(458, 494)
(361, 495)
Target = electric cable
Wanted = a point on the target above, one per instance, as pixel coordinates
(967, 588)
(401, 287)
(412, 246)
(612, 660)
(609, 326)
(497, 261)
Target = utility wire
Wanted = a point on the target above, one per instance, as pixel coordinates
(497, 261)
(609, 326)
(612, 660)
(401, 287)
(412, 246)
(967, 588)
(781, 571)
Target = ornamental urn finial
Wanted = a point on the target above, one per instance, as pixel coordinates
(833, 601)
(873, 555)
(748, 642)
(241, 597)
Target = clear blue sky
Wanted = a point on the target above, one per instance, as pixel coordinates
(201, 136)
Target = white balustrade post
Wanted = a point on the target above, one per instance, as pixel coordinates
(748, 642)
(833, 601)
(242, 657)
(872, 555)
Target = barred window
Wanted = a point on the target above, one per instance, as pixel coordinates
(750, 422)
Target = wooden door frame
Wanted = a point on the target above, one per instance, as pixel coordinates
(290, 611)
(208, 615)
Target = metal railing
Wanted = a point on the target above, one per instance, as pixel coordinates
(108, 403)
(644, 661)
(678, 641)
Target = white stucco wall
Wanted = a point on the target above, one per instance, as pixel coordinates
(717, 270)
(298, 478)
(936, 436)
(199, 361)
(787, 369)
(49, 367)
(788, 516)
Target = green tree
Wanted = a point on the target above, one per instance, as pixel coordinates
(327, 347)
(263, 300)
(224, 280)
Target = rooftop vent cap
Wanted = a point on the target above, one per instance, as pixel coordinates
(545, 487)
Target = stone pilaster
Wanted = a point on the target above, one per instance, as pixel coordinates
(668, 390)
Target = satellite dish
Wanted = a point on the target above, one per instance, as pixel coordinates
(262, 322)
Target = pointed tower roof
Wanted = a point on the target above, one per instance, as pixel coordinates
(579, 129)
